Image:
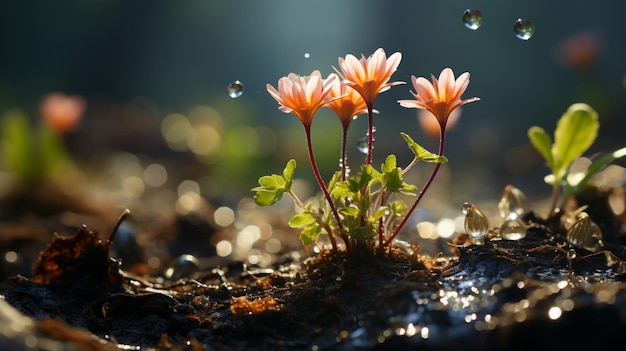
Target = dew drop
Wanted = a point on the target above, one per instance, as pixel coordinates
(476, 223)
(235, 89)
(512, 203)
(513, 229)
(465, 208)
(585, 233)
(472, 19)
(182, 267)
(523, 29)
(361, 145)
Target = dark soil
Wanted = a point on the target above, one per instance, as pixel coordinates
(524, 294)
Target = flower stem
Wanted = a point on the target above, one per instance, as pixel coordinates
(344, 155)
(344, 172)
(442, 140)
(370, 133)
(318, 177)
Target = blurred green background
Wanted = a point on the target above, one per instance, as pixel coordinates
(138, 62)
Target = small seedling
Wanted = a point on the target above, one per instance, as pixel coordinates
(35, 152)
(575, 132)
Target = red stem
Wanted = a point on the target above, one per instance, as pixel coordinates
(344, 156)
(426, 186)
(318, 177)
(370, 133)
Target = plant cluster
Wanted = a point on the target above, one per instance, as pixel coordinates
(35, 152)
(365, 210)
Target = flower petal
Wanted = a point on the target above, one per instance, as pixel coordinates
(445, 85)
(424, 89)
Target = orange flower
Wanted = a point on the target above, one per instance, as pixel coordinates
(369, 76)
(346, 102)
(302, 96)
(440, 97)
(62, 112)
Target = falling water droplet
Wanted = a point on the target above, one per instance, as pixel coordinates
(585, 233)
(235, 89)
(182, 267)
(513, 229)
(307, 55)
(361, 145)
(512, 203)
(523, 29)
(472, 19)
(476, 223)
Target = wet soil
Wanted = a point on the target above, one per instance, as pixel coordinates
(538, 292)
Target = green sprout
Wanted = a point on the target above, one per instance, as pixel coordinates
(35, 152)
(575, 132)
(30, 153)
(367, 209)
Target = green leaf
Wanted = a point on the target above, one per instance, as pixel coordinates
(370, 176)
(380, 213)
(272, 182)
(391, 177)
(301, 219)
(51, 151)
(422, 154)
(575, 132)
(542, 143)
(310, 234)
(17, 136)
(288, 174)
(343, 189)
(389, 165)
(336, 179)
(397, 207)
(267, 197)
(393, 180)
(271, 190)
(349, 211)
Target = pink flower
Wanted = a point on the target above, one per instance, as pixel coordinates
(62, 112)
(440, 97)
(302, 96)
(369, 76)
(345, 101)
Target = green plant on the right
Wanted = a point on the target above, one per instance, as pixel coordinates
(575, 132)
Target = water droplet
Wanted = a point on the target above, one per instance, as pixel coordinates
(472, 19)
(307, 55)
(513, 229)
(182, 267)
(512, 203)
(465, 208)
(361, 145)
(476, 223)
(235, 89)
(523, 29)
(585, 233)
